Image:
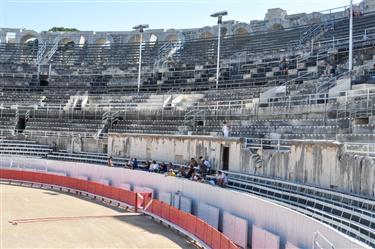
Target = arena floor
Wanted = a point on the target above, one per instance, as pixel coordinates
(76, 230)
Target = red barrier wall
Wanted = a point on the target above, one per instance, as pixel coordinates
(194, 225)
(199, 228)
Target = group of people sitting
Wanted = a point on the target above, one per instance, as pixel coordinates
(196, 170)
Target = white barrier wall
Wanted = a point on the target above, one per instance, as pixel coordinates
(236, 229)
(263, 239)
(186, 204)
(176, 201)
(125, 186)
(165, 197)
(290, 246)
(104, 181)
(268, 215)
(209, 214)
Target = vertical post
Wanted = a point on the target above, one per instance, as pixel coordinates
(136, 203)
(38, 72)
(219, 16)
(218, 52)
(49, 70)
(351, 37)
(140, 59)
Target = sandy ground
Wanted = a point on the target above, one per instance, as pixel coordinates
(127, 231)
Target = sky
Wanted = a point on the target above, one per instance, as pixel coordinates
(122, 15)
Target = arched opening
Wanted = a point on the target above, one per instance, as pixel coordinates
(241, 32)
(277, 27)
(103, 46)
(27, 39)
(135, 38)
(315, 20)
(104, 42)
(223, 31)
(206, 35)
(171, 38)
(66, 50)
(29, 44)
(66, 41)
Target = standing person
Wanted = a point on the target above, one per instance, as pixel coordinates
(135, 163)
(193, 162)
(225, 129)
(110, 162)
(208, 165)
(202, 166)
(190, 172)
(284, 64)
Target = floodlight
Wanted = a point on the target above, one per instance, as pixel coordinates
(220, 13)
(140, 27)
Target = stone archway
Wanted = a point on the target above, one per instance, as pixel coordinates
(241, 32)
(135, 38)
(206, 35)
(104, 42)
(171, 38)
(28, 38)
(277, 27)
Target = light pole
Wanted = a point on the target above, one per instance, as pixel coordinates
(351, 37)
(140, 28)
(219, 16)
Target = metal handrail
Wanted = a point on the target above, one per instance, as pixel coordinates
(367, 149)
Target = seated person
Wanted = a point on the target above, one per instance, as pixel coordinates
(147, 165)
(170, 166)
(181, 172)
(170, 173)
(163, 168)
(110, 162)
(129, 164)
(154, 167)
(196, 177)
(220, 179)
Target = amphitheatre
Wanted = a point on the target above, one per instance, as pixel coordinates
(246, 135)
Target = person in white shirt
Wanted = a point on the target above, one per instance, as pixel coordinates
(221, 179)
(225, 129)
(154, 167)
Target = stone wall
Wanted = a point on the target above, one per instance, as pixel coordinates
(174, 148)
(322, 164)
(71, 143)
